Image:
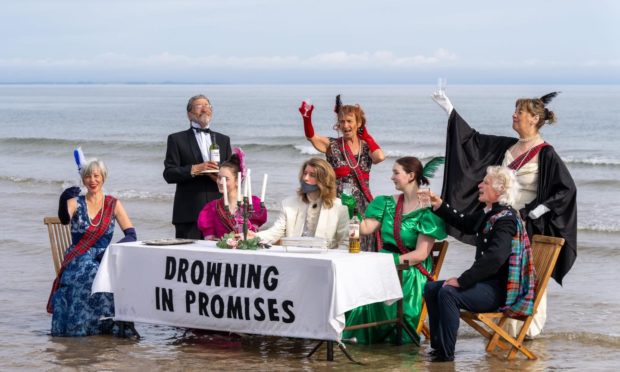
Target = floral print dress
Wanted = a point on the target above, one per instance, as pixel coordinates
(336, 158)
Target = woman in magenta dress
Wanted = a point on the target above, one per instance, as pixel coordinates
(214, 221)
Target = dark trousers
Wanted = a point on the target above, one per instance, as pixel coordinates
(444, 305)
(187, 231)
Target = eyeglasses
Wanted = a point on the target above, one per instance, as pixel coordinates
(204, 105)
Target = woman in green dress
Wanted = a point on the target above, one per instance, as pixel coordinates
(409, 229)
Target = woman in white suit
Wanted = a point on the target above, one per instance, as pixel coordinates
(314, 211)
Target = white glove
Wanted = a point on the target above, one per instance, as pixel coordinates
(443, 101)
(538, 211)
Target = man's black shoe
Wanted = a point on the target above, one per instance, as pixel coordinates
(441, 359)
(434, 352)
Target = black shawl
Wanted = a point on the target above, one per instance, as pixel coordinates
(469, 153)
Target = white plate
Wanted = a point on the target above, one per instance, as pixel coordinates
(209, 171)
(292, 249)
(170, 241)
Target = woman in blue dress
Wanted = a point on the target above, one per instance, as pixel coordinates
(77, 312)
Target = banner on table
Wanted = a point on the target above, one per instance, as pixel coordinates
(223, 290)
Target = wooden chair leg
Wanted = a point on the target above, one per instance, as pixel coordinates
(516, 344)
(512, 354)
(421, 326)
(493, 342)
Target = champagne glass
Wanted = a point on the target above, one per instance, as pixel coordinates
(441, 85)
(424, 196)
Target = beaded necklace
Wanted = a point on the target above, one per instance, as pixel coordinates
(346, 157)
(102, 210)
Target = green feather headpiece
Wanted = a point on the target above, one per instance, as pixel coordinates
(431, 167)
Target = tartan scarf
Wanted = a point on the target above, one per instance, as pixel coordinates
(524, 158)
(521, 284)
(90, 237)
(225, 217)
(360, 176)
(398, 215)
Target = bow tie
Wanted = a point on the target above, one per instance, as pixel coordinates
(205, 130)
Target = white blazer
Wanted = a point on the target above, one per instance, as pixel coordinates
(333, 223)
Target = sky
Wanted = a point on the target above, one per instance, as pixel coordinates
(310, 42)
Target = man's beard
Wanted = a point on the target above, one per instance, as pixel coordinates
(203, 119)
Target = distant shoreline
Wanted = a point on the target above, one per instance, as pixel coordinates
(312, 84)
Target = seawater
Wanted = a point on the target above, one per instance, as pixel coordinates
(127, 126)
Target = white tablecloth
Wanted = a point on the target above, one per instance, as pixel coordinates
(268, 292)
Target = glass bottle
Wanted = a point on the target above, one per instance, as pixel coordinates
(354, 233)
(214, 152)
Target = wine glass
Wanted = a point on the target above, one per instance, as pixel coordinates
(306, 105)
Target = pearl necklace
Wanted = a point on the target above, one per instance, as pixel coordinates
(346, 157)
(529, 139)
(102, 211)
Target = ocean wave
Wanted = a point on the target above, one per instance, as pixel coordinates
(38, 142)
(599, 161)
(417, 154)
(31, 181)
(307, 150)
(608, 227)
(132, 194)
(599, 183)
(586, 337)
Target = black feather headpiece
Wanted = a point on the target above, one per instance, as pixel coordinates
(338, 104)
(549, 97)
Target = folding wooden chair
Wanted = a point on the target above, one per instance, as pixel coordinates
(438, 253)
(545, 250)
(60, 239)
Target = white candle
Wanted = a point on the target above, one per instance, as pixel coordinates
(262, 192)
(245, 184)
(239, 195)
(249, 188)
(225, 191)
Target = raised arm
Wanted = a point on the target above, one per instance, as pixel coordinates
(443, 101)
(320, 143)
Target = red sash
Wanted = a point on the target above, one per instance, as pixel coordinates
(524, 158)
(90, 237)
(226, 218)
(399, 241)
(360, 175)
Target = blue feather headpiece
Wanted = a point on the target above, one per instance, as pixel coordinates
(80, 160)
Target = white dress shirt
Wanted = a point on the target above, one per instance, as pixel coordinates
(204, 142)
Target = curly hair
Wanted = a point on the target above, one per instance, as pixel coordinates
(354, 110)
(504, 181)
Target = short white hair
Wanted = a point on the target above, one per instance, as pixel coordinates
(92, 165)
(504, 181)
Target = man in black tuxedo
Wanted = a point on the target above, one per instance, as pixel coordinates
(187, 160)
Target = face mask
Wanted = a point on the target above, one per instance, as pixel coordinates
(306, 188)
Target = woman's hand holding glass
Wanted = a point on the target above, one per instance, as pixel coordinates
(424, 197)
(306, 108)
(433, 200)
